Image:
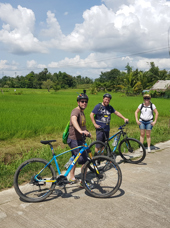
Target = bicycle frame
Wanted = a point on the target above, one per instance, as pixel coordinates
(119, 133)
(83, 148)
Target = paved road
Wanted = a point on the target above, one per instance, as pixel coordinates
(143, 201)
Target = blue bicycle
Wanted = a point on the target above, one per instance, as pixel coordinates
(36, 178)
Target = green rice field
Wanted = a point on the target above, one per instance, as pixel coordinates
(38, 112)
(31, 115)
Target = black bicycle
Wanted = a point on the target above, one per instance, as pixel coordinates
(130, 149)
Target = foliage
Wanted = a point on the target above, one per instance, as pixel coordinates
(47, 84)
(132, 82)
(44, 79)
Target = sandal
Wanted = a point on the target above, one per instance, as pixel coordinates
(73, 181)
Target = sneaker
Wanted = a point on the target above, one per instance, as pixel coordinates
(141, 149)
(149, 149)
(89, 185)
(73, 181)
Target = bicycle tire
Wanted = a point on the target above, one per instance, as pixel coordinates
(103, 150)
(132, 150)
(27, 187)
(104, 184)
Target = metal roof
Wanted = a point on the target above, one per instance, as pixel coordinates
(161, 85)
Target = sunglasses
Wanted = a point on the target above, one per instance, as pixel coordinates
(84, 102)
(146, 98)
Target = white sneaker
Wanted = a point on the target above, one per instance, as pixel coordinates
(149, 149)
(141, 149)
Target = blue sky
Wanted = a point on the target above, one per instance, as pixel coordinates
(83, 37)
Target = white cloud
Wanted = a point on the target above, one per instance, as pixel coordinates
(32, 64)
(4, 65)
(17, 30)
(109, 36)
(132, 28)
(53, 28)
(161, 63)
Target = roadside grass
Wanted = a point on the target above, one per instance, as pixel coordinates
(33, 115)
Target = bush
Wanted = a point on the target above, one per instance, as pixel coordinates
(167, 93)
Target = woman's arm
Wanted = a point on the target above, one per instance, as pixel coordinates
(136, 116)
(156, 117)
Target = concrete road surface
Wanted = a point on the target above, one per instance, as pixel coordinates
(142, 201)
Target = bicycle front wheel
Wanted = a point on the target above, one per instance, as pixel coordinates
(32, 188)
(99, 148)
(132, 150)
(104, 180)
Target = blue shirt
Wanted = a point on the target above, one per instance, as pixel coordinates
(103, 115)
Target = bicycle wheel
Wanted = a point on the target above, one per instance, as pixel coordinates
(98, 148)
(132, 150)
(25, 184)
(106, 182)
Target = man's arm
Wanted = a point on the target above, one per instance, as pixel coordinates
(121, 116)
(93, 120)
(77, 127)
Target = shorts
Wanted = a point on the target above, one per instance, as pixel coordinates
(145, 125)
(74, 143)
(100, 135)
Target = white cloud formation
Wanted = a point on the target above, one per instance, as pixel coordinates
(53, 28)
(130, 29)
(17, 30)
(32, 64)
(112, 32)
(5, 65)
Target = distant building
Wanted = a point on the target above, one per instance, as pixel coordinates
(161, 85)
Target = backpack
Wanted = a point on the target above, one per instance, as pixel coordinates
(66, 133)
(100, 108)
(150, 108)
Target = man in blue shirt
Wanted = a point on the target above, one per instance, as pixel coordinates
(101, 116)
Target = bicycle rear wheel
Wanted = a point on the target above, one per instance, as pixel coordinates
(33, 189)
(106, 182)
(132, 150)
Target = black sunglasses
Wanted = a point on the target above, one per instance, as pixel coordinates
(84, 102)
(146, 98)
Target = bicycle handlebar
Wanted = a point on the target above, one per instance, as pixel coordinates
(84, 136)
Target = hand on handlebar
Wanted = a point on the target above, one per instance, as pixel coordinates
(126, 120)
(86, 133)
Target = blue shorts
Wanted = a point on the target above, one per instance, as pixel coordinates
(74, 143)
(146, 125)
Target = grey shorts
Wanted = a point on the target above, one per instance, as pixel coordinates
(74, 143)
(101, 137)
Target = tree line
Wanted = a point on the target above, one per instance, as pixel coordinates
(129, 81)
(44, 79)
